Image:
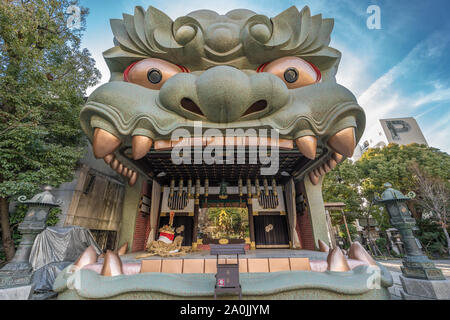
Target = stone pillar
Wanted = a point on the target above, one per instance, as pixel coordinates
(18, 272)
(129, 211)
(316, 211)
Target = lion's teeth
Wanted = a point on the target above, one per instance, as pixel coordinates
(89, 256)
(130, 173)
(133, 179)
(357, 252)
(112, 265)
(336, 261)
(123, 249)
(115, 164)
(344, 142)
(120, 168)
(338, 157)
(332, 164)
(109, 158)
(307, 146)
(314, 179)
(326, 167)
(141, 146)
(104, 143)
(323, 247)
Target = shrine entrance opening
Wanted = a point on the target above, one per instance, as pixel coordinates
(224, 219)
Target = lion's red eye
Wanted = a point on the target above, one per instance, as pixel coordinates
(294, 71)
(152, 73)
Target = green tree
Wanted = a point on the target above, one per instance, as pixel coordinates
(434, 198)
(356, 183)
(44, 75)
(393, 164)
(341, 185)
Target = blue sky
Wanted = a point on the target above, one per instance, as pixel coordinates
(401, 70)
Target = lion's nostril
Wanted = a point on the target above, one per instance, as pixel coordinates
(191, 106)
(256, 107)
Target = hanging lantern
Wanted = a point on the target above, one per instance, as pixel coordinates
(266, 187)
(223, 195)
(197, 188)
(180, 188)
(241, 188)
(274, 187)
(206, 188)
(249, 188)
(257, 187)
(189, 188)
(172, 188)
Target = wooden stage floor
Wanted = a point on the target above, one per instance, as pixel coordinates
(250, 254)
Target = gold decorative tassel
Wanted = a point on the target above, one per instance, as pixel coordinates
(206, 188)
(180, 188)
(249, 188)
(197, 188)
(266, 187)
(274, 187)
(172, 188)
(257, 187)
(189, 189)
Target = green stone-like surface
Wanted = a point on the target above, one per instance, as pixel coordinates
(130, 210)
(87, 284)
(223, 53)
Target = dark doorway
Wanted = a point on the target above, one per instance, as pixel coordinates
(271, 232)
(178, 221)
(105, 239)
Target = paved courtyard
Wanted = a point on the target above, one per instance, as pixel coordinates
(394, 265)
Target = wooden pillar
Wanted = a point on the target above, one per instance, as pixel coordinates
(251, 224)
(330, 229)
(195, 230)
(346, 228)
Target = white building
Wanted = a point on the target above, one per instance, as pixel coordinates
(402, 131)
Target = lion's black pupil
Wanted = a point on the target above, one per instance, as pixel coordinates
(291, 75)
(154, 76)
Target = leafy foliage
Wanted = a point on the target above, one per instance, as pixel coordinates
(392, 164)
(356, 183)
(342, 183)
(382, 245)
(44, 75)
(431, 237)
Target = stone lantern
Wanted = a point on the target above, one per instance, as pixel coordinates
(421, 279)
(18, 272)
(415, 264)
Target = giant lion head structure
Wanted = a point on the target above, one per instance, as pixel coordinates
(239, 70)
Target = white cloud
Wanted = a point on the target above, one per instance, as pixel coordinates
(438, 133)
(353, 73)
(384, 98)
(439, 94)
